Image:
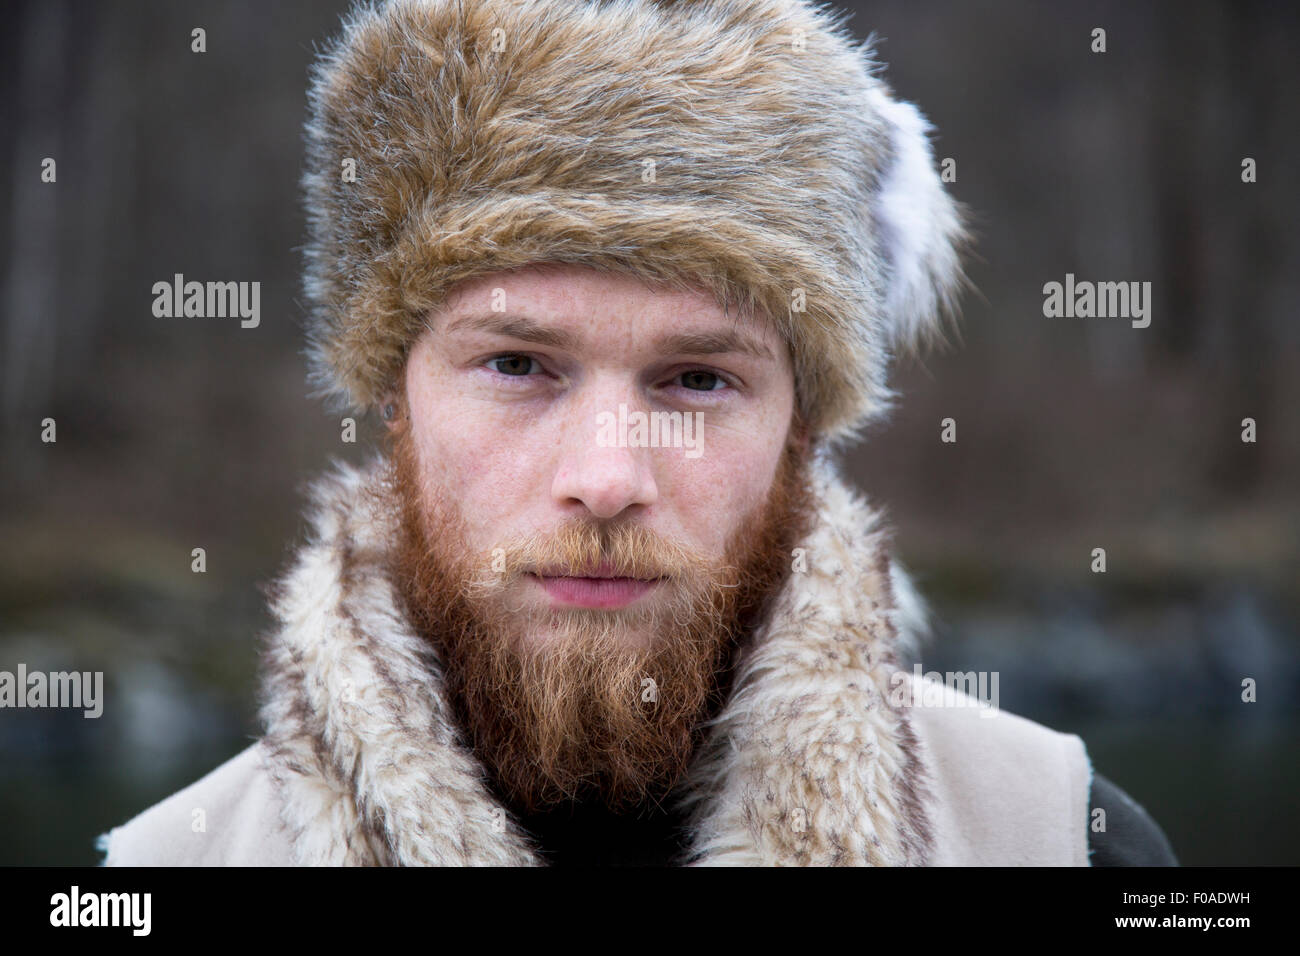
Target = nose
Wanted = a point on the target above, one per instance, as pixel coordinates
(604, 476)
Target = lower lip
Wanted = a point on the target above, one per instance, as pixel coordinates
(596, 592)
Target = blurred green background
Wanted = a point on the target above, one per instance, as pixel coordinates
(1072, 433)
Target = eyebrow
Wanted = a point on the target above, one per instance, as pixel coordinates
(712, 343)
(680, 343)
(516, 327)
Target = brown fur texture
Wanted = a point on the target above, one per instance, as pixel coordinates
(746, 146)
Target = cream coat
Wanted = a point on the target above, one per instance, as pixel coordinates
(813, 761)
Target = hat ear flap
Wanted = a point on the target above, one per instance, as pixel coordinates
(921, 231)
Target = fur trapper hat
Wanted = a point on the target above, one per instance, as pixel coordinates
(742, 147)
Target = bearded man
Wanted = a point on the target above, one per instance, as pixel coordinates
(514, 640)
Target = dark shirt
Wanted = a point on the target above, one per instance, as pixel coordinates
(1131, 837)
(590, 835)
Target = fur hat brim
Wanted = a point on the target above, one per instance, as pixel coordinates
(744, 147)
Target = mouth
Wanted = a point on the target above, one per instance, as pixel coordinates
(599, 587)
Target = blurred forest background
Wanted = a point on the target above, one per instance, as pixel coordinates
(1073, 434)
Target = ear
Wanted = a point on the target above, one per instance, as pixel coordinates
(921, 229)
(393, 421)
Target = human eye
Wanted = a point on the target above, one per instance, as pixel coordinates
(702, 380)
(514, 365)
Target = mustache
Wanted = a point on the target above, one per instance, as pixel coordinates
(583, 548)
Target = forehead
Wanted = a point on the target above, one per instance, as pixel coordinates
(578, 302)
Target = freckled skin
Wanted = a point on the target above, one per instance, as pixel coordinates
(508, 427)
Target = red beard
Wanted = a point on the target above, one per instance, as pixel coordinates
(609, 704)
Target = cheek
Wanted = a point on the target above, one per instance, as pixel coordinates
(489, 474)
(710, 496)
(442, 435)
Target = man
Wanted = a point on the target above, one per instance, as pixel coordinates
(620, 277)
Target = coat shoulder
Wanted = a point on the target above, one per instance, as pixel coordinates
(1006, 791)
(241, 821)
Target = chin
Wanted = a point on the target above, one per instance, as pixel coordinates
(569, 626)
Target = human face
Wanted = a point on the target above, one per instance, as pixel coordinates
(588, 596)
(515, 394)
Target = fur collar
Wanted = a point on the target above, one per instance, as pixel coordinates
(809, 763)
